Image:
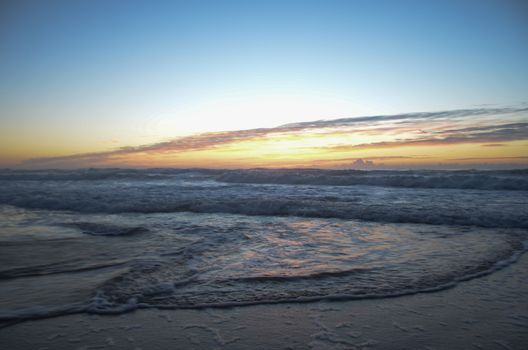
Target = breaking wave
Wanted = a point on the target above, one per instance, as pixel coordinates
(501, 209)
(516, 180)
(244, 261)
(113, 240)
(511, 180)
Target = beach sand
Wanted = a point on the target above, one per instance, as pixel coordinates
(490, 312)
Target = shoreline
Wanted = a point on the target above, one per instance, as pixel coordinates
(489, 312)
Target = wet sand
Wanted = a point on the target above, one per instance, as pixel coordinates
(490, 312)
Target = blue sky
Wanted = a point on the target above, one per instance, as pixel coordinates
(102, 73)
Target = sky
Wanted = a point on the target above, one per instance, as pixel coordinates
(232, 84)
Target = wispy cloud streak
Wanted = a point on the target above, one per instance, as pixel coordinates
(495, 133)
(482, 125)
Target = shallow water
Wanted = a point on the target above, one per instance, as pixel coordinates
(111, 241)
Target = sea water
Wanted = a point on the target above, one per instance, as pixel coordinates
(113, 240)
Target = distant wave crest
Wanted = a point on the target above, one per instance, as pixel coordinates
(480, 180)
(511, 180)
(473, 198)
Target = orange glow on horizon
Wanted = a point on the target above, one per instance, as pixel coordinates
(374, 142)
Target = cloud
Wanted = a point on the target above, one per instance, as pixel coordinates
(370, 162)
(354, 159)
(452, 114)
(491, 158)
(421, 129)
(494, 145)
(361, 164)
(183, 144)
(496, 133)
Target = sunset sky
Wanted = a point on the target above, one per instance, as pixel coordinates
(230, 84)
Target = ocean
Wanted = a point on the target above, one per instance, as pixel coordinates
(114, 240)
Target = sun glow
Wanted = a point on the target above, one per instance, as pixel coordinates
(412, 140)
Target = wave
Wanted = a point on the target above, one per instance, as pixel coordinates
(511, 180)
(431, 211)
(98, 174)
(311, 276)
(196, 261)
(424, 197)
(54, 268)
(98, 229)
(321, 210)
(105, 302)
(479, 180)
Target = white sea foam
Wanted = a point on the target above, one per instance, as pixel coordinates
(210, 260)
